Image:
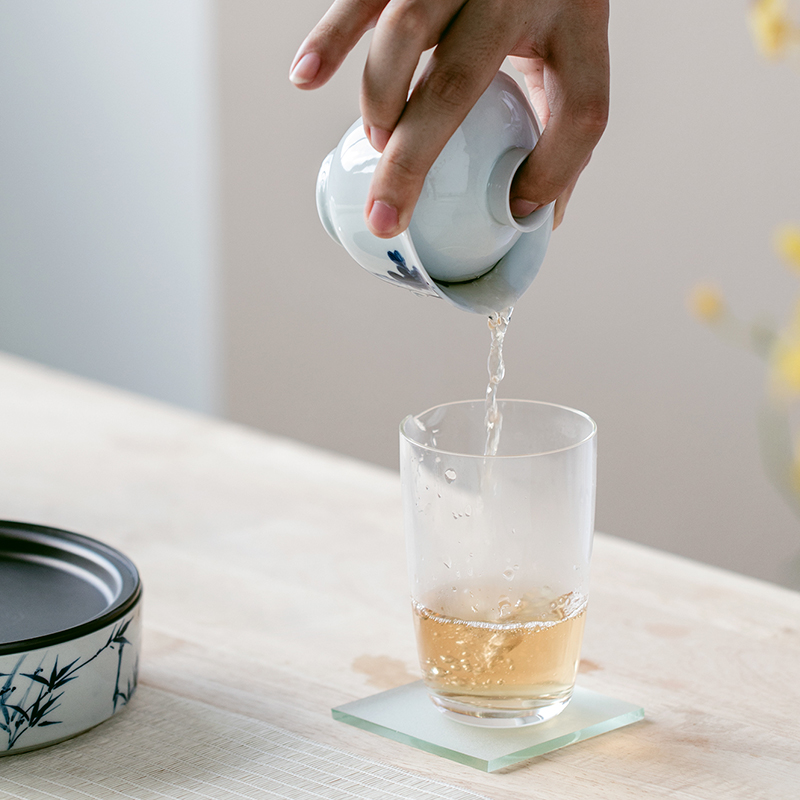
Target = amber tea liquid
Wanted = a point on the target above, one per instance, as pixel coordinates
(516, 656)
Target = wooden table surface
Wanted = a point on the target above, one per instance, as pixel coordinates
(275, 586)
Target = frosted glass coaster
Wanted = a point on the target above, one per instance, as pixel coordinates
(407, 715)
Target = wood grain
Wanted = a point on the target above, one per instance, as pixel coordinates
(275, 587)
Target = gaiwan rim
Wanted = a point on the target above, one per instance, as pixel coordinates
(126, 598)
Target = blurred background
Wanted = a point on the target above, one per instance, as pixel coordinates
(158, 232)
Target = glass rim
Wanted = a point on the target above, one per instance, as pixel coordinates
(592, 433)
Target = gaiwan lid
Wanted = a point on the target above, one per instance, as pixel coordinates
(463, 243)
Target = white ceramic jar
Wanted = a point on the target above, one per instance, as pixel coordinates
(70, 634)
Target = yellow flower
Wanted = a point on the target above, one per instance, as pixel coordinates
(787, 245)
(785, 365)
(794, 477)
(771, 27)
(706, 303)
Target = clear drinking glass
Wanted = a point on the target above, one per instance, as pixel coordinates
(498, 554)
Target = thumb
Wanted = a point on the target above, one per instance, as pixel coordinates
(560, 155)
(577, 100)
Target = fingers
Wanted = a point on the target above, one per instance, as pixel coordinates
(334, 36)
(468, 56)
(561, 48)
(405, 29)
(577, 83)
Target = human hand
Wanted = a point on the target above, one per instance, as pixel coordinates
(559, 46)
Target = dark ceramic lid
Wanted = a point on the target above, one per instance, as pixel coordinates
(56, 586)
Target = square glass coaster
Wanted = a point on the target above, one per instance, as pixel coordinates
(406, 714)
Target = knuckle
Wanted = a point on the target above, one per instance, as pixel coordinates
(379, 106)
(408, 19)
(343, 29)
(450, 87)
(404, 170)
(590, 117)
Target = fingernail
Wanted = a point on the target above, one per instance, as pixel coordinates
(521, 208)
(305, 70)
(379, 138)
(383, 218)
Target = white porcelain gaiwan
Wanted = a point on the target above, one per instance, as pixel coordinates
(463, 243)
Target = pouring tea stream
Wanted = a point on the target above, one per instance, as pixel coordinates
(498, 633)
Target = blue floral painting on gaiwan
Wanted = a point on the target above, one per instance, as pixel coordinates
(411, 278)
(28, 700)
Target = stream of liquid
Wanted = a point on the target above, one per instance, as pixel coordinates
(498, 324)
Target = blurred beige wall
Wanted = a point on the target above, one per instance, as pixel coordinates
(108, 255)
(699, 163)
